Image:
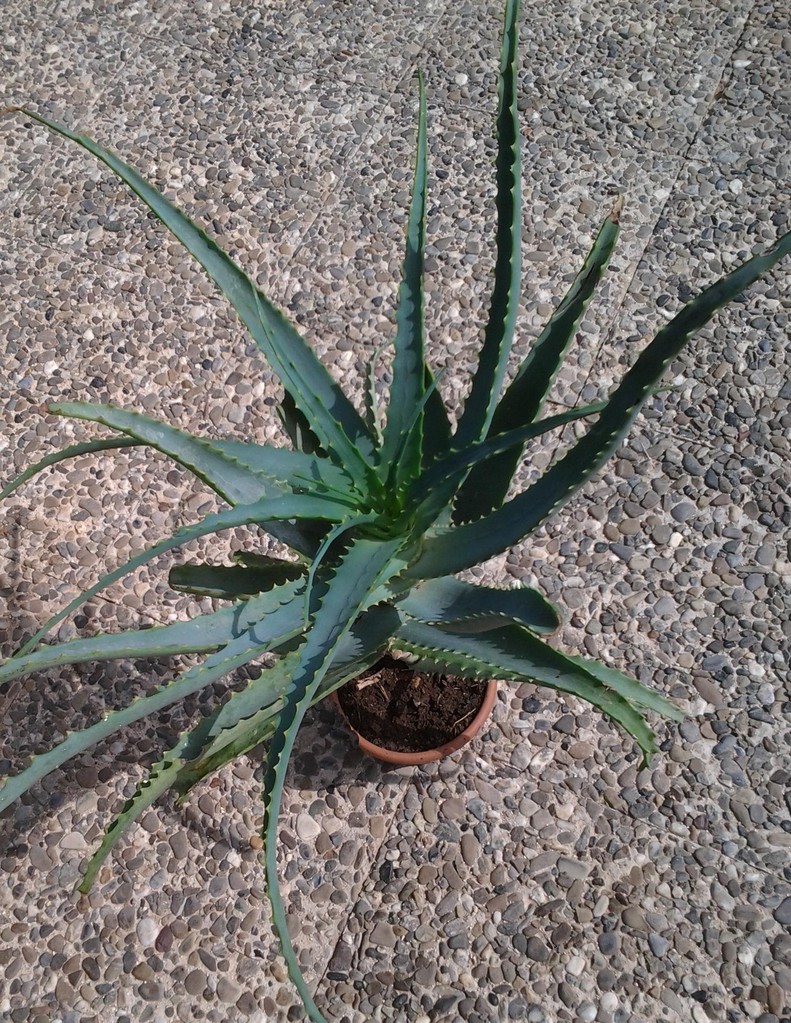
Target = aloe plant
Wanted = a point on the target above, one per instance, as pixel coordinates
(380, 517)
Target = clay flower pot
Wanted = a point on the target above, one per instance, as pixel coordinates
(389, 756)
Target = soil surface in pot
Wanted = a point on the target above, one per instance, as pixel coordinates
(409, 711)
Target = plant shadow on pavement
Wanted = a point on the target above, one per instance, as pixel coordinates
(37, 712)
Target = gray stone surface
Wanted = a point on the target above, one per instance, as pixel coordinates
(541, 874)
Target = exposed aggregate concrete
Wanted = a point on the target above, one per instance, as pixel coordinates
(540, 874)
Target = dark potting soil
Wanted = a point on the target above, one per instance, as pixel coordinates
(409, 711)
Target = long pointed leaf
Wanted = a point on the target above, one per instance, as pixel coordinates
(237, 729)
(334, 534)
(263, 697)
(239, 472)
(629, 688)
(409, 456)
(452, 602)
(457, 549)
(436, 423)
(435, 488)
(212, 744)
(236, 474)
(516, 654)
(260, 512)
(216, 739)
(365, 565)
(406, 390)
(228, 582)
(487, 485)
(498, 336)
(234, 482)
(525, 395)
(370, 397)
(331, 414)
(84, 448)
(199, 635)
(274, 630)
(245, 720)
(294, 469)
(160, 778)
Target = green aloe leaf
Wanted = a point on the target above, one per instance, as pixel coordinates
(434, 489)
(515, 654)
(228, 582)
(455, 603)
(414, 430)
(246, 719)
(630, 689)
(238, 471)
(210, 750)
(333, 537)
(436, 424)
(337, 602)
(234, 482)
(199, 635)
(295, 470)
(161, 777)
(262, 512)
(84, 448)
(370, 397)
(401, 437)
(237, 729)
(488, 484)
(456, 549)
(364, 644)
(266, 562)
(212, 745)
(243, 721)
(274, 630)
(331, 415)
(366, 639)
(498, 336)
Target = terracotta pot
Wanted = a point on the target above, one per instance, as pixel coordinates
(389, 756)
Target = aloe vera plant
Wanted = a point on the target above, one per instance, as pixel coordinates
(380, 511)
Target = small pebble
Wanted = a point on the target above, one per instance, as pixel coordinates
(537, 950)
(307, 827)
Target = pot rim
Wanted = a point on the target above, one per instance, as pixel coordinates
(428, 756)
